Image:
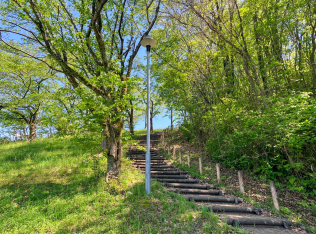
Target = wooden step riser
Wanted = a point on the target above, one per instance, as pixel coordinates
(180, 185)
(197, 191)
(168, 172)
(235, 209)
(186, 181)
(255, 222)
(213, 199)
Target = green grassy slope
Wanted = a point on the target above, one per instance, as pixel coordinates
(57, 185)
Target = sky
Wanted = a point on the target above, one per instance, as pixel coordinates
(159, 122)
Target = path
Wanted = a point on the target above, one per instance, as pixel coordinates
(230, 209)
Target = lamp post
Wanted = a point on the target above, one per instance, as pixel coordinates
(148, 42)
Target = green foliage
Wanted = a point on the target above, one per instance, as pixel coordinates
(278, 144)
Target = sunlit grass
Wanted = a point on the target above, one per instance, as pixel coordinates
(57, 185)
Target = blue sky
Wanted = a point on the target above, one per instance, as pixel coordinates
(159, 121)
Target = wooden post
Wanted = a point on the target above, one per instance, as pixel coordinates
(274, 196)
(180, 157)
(200, 165)
(174, 153)
(168, 148)
(218, 173)
(188, 159)
(241, 183)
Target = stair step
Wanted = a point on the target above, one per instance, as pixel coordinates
(169, 172)
(152, 161)
(248, 219)
(158, 166)
(202, 198)
(178, 180)
(143, 164)
(170, 176)
(159, 169)
(196, 191)
(233, 208)
(180, 185)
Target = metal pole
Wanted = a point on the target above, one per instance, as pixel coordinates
(147, 169)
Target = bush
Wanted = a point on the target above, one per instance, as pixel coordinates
(279, 143)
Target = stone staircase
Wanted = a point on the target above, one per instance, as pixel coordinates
(229, 208)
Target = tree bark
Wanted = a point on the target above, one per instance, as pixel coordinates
(131, 119)
(171, 121)
(32, 134)
(112, 144)
(151, 117)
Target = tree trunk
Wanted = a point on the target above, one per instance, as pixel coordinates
(112, 143)
(260, 57)
(312, 62)
(151, 117)
(131, 121)
(32, 134)
(230, 75)
(171, 121)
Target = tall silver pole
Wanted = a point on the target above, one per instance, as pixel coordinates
(147, 169)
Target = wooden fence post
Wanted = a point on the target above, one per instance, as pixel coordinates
(241, 183)
(168, 148)
(218, 173)
(274, 196)
(174, 153)
(200, 165)
(188, 159)
(180, 158)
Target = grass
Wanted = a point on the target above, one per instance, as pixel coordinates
(57, 185)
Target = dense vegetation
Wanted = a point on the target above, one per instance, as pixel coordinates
(241, 76)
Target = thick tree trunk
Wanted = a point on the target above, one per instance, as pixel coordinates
(112, 143)
(32, 134)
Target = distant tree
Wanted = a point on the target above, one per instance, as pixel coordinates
(24, 89)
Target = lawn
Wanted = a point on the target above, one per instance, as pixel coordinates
(57, 185)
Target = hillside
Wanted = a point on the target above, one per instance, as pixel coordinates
(56, 185)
